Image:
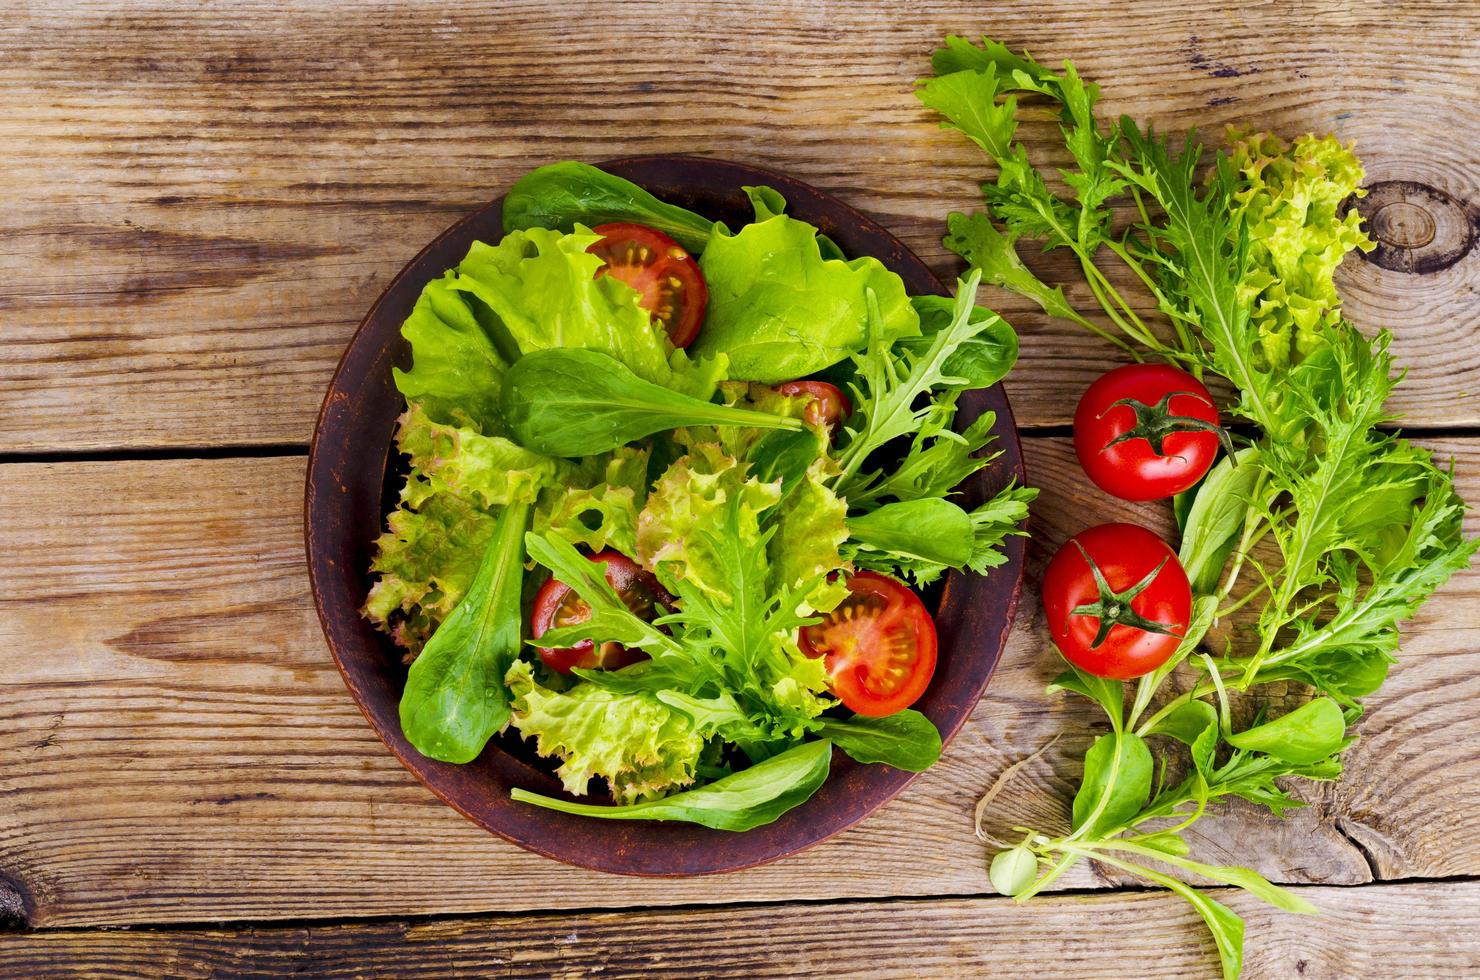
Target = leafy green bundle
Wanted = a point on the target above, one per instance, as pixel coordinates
(546, 413)
(1307, 547)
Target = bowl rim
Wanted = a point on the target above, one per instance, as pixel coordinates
(884, 783)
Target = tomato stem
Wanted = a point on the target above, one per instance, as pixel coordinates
(1114, 608)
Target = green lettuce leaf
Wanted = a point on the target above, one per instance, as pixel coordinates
(780, 311)
(490, 469)
(640, 746)
(810, 527)
(598, 509)
(690, 496)
(456, 373)
(538, 289)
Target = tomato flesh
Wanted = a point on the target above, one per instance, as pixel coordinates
(557, 604)
(828, 405)
(879, 645)
(665, 275)
(1126, 555)
(1133, 468)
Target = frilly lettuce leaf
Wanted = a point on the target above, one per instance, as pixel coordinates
(640, 746)
(782, 311)
(1290, 202)
(425, 561)
(600, 509)
(810, 527)
(687, 499)
(491, 469)
(538, 289)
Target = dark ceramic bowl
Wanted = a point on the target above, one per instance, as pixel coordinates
(352, 478)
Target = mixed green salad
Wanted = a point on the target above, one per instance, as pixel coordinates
(672, 490)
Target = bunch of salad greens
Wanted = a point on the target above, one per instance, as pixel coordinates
(1305, 547)
(554, 431)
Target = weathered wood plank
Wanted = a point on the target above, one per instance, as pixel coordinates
(176, 745)
(199, 203)
(1159, 937)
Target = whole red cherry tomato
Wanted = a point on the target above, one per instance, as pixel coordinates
(1146, 431)
(1117, 601)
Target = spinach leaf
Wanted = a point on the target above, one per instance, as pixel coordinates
(1188, 722)
(572, 402)
(930, 528)
(455, 697)
(1117, 780)
(981, 361)
(1310, 733)
(906, 740)
(562, 194)
(741, 801)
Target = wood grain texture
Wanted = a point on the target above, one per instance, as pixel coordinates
(176, 745)
(949, 938)
(198, 203)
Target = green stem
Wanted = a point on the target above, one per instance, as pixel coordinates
(1105, 291)
(1049, 877)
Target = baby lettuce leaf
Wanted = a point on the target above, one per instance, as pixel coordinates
(455, 699)
(780, 311)
(572, 402)
(906, 740)
(1308, 734)
(565, 194)
(1117, 780)
(740, 801)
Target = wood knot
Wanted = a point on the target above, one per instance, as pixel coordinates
(1419, 229)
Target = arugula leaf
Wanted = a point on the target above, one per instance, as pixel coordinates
(981, 361)
(741, 801)
(994, 252)
(885, 394)
(455, 697)
(573, 402)
(566, 194)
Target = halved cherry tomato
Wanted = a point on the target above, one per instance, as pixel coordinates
(1146, 431)
(1127, 620)
(663, 273)
(828, 406)
(879, 644)
(556, 604)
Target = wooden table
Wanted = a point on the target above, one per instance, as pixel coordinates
(197, 204)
